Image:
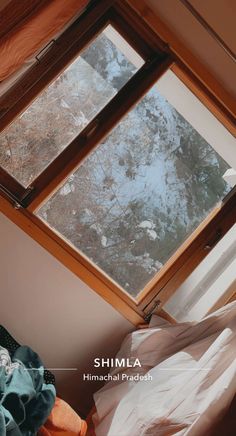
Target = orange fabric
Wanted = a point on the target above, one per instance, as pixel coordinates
(15, 12)
(35, 31)
(63, 421)
(89, 421)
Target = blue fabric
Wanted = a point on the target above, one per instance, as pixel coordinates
(25, 400)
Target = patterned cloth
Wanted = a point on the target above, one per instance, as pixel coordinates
(5, 361)
(8, 342)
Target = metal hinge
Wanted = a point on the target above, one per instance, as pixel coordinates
(10, 197)
(27, 192)
(17, 203)
(155, 305)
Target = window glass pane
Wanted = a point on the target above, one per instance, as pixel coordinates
(60, 113)
(140, 194)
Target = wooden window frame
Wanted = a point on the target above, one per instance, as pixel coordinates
(20, 204)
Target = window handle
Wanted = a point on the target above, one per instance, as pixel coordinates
(44, 50)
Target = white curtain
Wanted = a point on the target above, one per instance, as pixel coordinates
(193, 370)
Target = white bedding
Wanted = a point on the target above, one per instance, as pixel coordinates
(193, 370)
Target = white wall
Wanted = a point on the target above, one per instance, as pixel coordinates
(191, 108)
(210, 285)
(46, 306)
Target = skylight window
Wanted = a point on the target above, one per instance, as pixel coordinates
(114, 165)
(140, 194)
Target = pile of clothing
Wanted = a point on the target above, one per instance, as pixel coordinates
(27, 392)
(28, 402)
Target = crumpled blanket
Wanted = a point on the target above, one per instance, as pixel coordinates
(25, 400)
(193, 371)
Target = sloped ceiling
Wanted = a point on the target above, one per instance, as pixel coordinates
(221, 16)
(3, 3)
